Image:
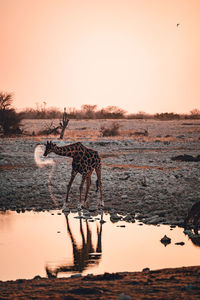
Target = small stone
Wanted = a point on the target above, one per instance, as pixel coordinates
(189, 287)
(180, 243)
(37, 277)
(122, 296)
(92, 208)
(78, 275)
(102, 221)
(146, 270)
(165, 240)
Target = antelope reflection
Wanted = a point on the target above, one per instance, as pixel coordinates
(195, 240)
(194, 236)
(83, 256)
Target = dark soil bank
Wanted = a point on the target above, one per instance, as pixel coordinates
(180, 283)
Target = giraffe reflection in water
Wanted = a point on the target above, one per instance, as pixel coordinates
(84, 256)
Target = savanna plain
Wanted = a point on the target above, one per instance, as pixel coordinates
(141, 182)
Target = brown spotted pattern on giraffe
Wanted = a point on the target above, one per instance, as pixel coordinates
(85, 161)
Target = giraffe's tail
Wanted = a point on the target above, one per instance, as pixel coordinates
(97, 185)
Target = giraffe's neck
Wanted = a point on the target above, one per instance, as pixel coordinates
(64, 151)
(70, 150)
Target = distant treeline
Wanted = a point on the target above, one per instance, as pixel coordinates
(11, 121)
(111, 112)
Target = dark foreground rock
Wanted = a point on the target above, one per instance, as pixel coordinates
(179, 283)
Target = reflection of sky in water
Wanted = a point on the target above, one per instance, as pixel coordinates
(32, 241)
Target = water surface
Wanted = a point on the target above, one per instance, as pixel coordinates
(52, 244)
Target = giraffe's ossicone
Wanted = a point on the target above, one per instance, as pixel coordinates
(85, 161)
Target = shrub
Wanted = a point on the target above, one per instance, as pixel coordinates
(167, 116)
(112, 131)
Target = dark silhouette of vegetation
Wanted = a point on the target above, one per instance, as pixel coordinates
(49, 129)
(167, 116)
(88, 111)
(10, 121)
(60, 129)
(42, 113)
(195, 114)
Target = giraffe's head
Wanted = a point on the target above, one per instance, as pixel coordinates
(49, 148)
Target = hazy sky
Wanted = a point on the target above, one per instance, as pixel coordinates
(128, 53)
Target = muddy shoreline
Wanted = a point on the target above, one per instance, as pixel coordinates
(179, 283)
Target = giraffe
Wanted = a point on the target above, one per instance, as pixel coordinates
(85, 161)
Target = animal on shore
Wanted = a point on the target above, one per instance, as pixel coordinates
(193, 216)
(85, 161)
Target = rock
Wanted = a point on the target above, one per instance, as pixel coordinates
(115, 218)
(122, 296)
(66, 210)
(165, 240)
(92, 208)
(180, 243)
(153, 220)
(37, 277)
(146, 270)
(102, 221)
(78, 275)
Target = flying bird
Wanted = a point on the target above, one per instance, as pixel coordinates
(178, 24)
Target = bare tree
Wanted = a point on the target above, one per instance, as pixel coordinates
(63, 123)
(5, 101)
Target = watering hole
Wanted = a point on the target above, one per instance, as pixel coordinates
(55, 245)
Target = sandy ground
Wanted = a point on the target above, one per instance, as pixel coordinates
(140, 181)
(181, 283)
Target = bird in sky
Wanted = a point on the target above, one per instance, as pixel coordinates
(178, 24)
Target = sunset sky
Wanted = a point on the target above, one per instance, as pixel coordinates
(128, 53)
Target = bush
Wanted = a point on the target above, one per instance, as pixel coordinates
(112, 131)
(10, 122)
(9, 119)
(167, 116)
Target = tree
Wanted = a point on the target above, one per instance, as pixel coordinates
(195, 113)
(63, 123)
(5, 101)
(89, 110)
(112, 112)
(9, 119)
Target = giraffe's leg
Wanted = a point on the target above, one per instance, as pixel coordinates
(81, 187)
(73, 175)
(88, 184)
(99, 183)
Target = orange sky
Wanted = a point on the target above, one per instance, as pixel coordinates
(127, 53)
